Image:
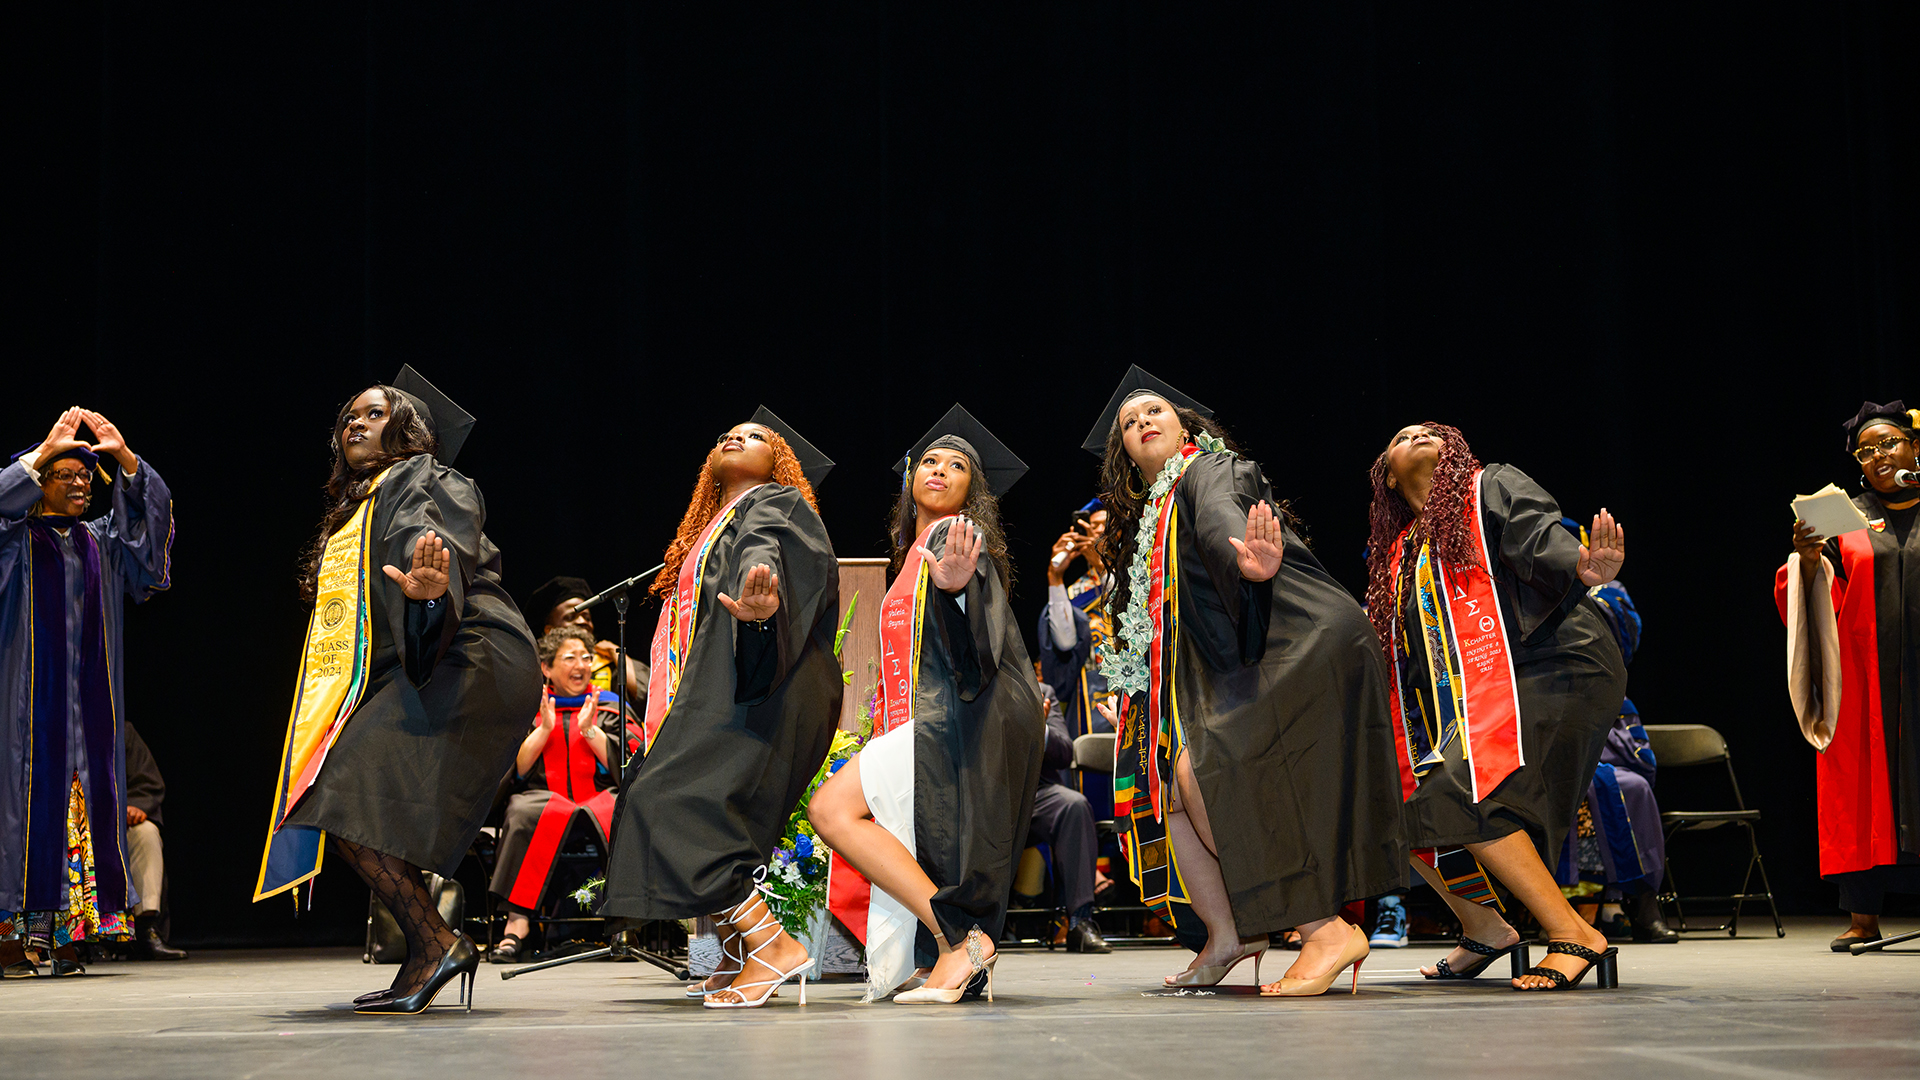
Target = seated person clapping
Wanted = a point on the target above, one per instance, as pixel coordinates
(561, 776)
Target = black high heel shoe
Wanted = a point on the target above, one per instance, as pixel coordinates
(1518, 951)
(1608, 962)
(374, 995)
(462, 960)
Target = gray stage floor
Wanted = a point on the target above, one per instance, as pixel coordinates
(1754, 1007)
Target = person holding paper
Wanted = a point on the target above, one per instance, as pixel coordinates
(1851, 603)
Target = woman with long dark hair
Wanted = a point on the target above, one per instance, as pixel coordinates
(1507, 681)
(1254, 763)
(931, 811)
(415, 683)
(742, 701)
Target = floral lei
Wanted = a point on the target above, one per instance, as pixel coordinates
(1125, 666)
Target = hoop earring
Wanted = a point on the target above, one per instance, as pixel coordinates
(1131, 493)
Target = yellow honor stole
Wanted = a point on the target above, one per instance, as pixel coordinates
(333, 678)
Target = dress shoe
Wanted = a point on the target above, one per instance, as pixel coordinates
(146, 940)
(1084, 937)
(14, 961)
(66, 961)
(1643, 911)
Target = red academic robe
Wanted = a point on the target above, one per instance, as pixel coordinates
(1861, 718)
(576, 784)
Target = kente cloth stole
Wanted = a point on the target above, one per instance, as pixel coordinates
(49, 753)
(1470, 666)
(1147, 745)
(1463, 875)
(333, 678)
(901, 625)
(673, 634)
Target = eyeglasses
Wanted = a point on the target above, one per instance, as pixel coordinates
(1883, 448)
(68, 476)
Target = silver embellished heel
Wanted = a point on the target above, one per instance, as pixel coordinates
(980, 967)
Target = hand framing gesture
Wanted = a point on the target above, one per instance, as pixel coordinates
(759, 596)
(1259, 554)
(64, 436)
(427, 579)
(108, 442)
(1600, 562)
(954, 568)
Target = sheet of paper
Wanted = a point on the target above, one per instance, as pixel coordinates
(1830, 511)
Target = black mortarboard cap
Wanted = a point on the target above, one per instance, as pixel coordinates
(450, 423)
(1136, 381)
(543, 599)
(1893, 412)
(814, 464)
(958, 430)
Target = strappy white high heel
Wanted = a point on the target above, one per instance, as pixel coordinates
(735, 917)
(699, 989)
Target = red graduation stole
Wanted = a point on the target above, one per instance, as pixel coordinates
(673, 634)
(900, 627)
(1490, 716)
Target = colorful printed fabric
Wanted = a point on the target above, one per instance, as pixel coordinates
(82, 918)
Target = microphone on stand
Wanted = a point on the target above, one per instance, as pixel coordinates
(1906, 478)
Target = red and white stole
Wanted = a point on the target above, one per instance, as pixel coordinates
(900, 628)
(673, 634)
(1490, 714)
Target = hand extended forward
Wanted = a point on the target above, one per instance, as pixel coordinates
(759, 596)
(427, 578)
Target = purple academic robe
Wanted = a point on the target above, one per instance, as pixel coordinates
(61, 704)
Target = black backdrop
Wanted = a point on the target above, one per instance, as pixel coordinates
(1651, 255)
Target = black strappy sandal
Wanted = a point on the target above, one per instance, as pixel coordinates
(1608, 962)
(1518, 951)
(506, 950)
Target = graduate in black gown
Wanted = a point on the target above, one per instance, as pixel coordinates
(742, 704)
(1255, 759)
(415, 685)
(1508, 680)
(932, 809)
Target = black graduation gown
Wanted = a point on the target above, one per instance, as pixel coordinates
(416, 768)
(979, 734)
(752, 719)
(1568, 669)
(1283, 702)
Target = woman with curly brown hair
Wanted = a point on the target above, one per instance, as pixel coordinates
(742, 702)
(1507, 680)
(1254, 767)
(415, 683)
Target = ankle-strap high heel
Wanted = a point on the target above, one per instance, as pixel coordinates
(699, 989)
(461, 960)
(1518, 952)
(1353, 952)
(738, 915)
(1211, 974)
(980, 966)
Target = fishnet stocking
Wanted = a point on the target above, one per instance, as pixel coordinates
(398, 885)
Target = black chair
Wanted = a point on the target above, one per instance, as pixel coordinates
(1686, 746)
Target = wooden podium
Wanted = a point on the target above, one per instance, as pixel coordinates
(860, 653)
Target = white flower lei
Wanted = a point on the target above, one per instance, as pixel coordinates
(1125, 665)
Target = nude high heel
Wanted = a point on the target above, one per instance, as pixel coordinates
(1211, 974)
(1353, 952)
(980, 965)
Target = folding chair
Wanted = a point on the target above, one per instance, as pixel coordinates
(1686, 746)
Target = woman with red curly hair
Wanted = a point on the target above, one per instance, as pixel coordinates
(742, 703)
(1507, 682)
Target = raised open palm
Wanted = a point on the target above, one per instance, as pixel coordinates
(427, 578)
(1604, 552)
(1259, 554)
(954, 568)
(759, 596)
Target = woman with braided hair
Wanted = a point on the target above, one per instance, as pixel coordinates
(1506, 682)
(1254, 766)
(742, 700)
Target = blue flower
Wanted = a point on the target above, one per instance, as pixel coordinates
(804, 845)
(834, 767)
